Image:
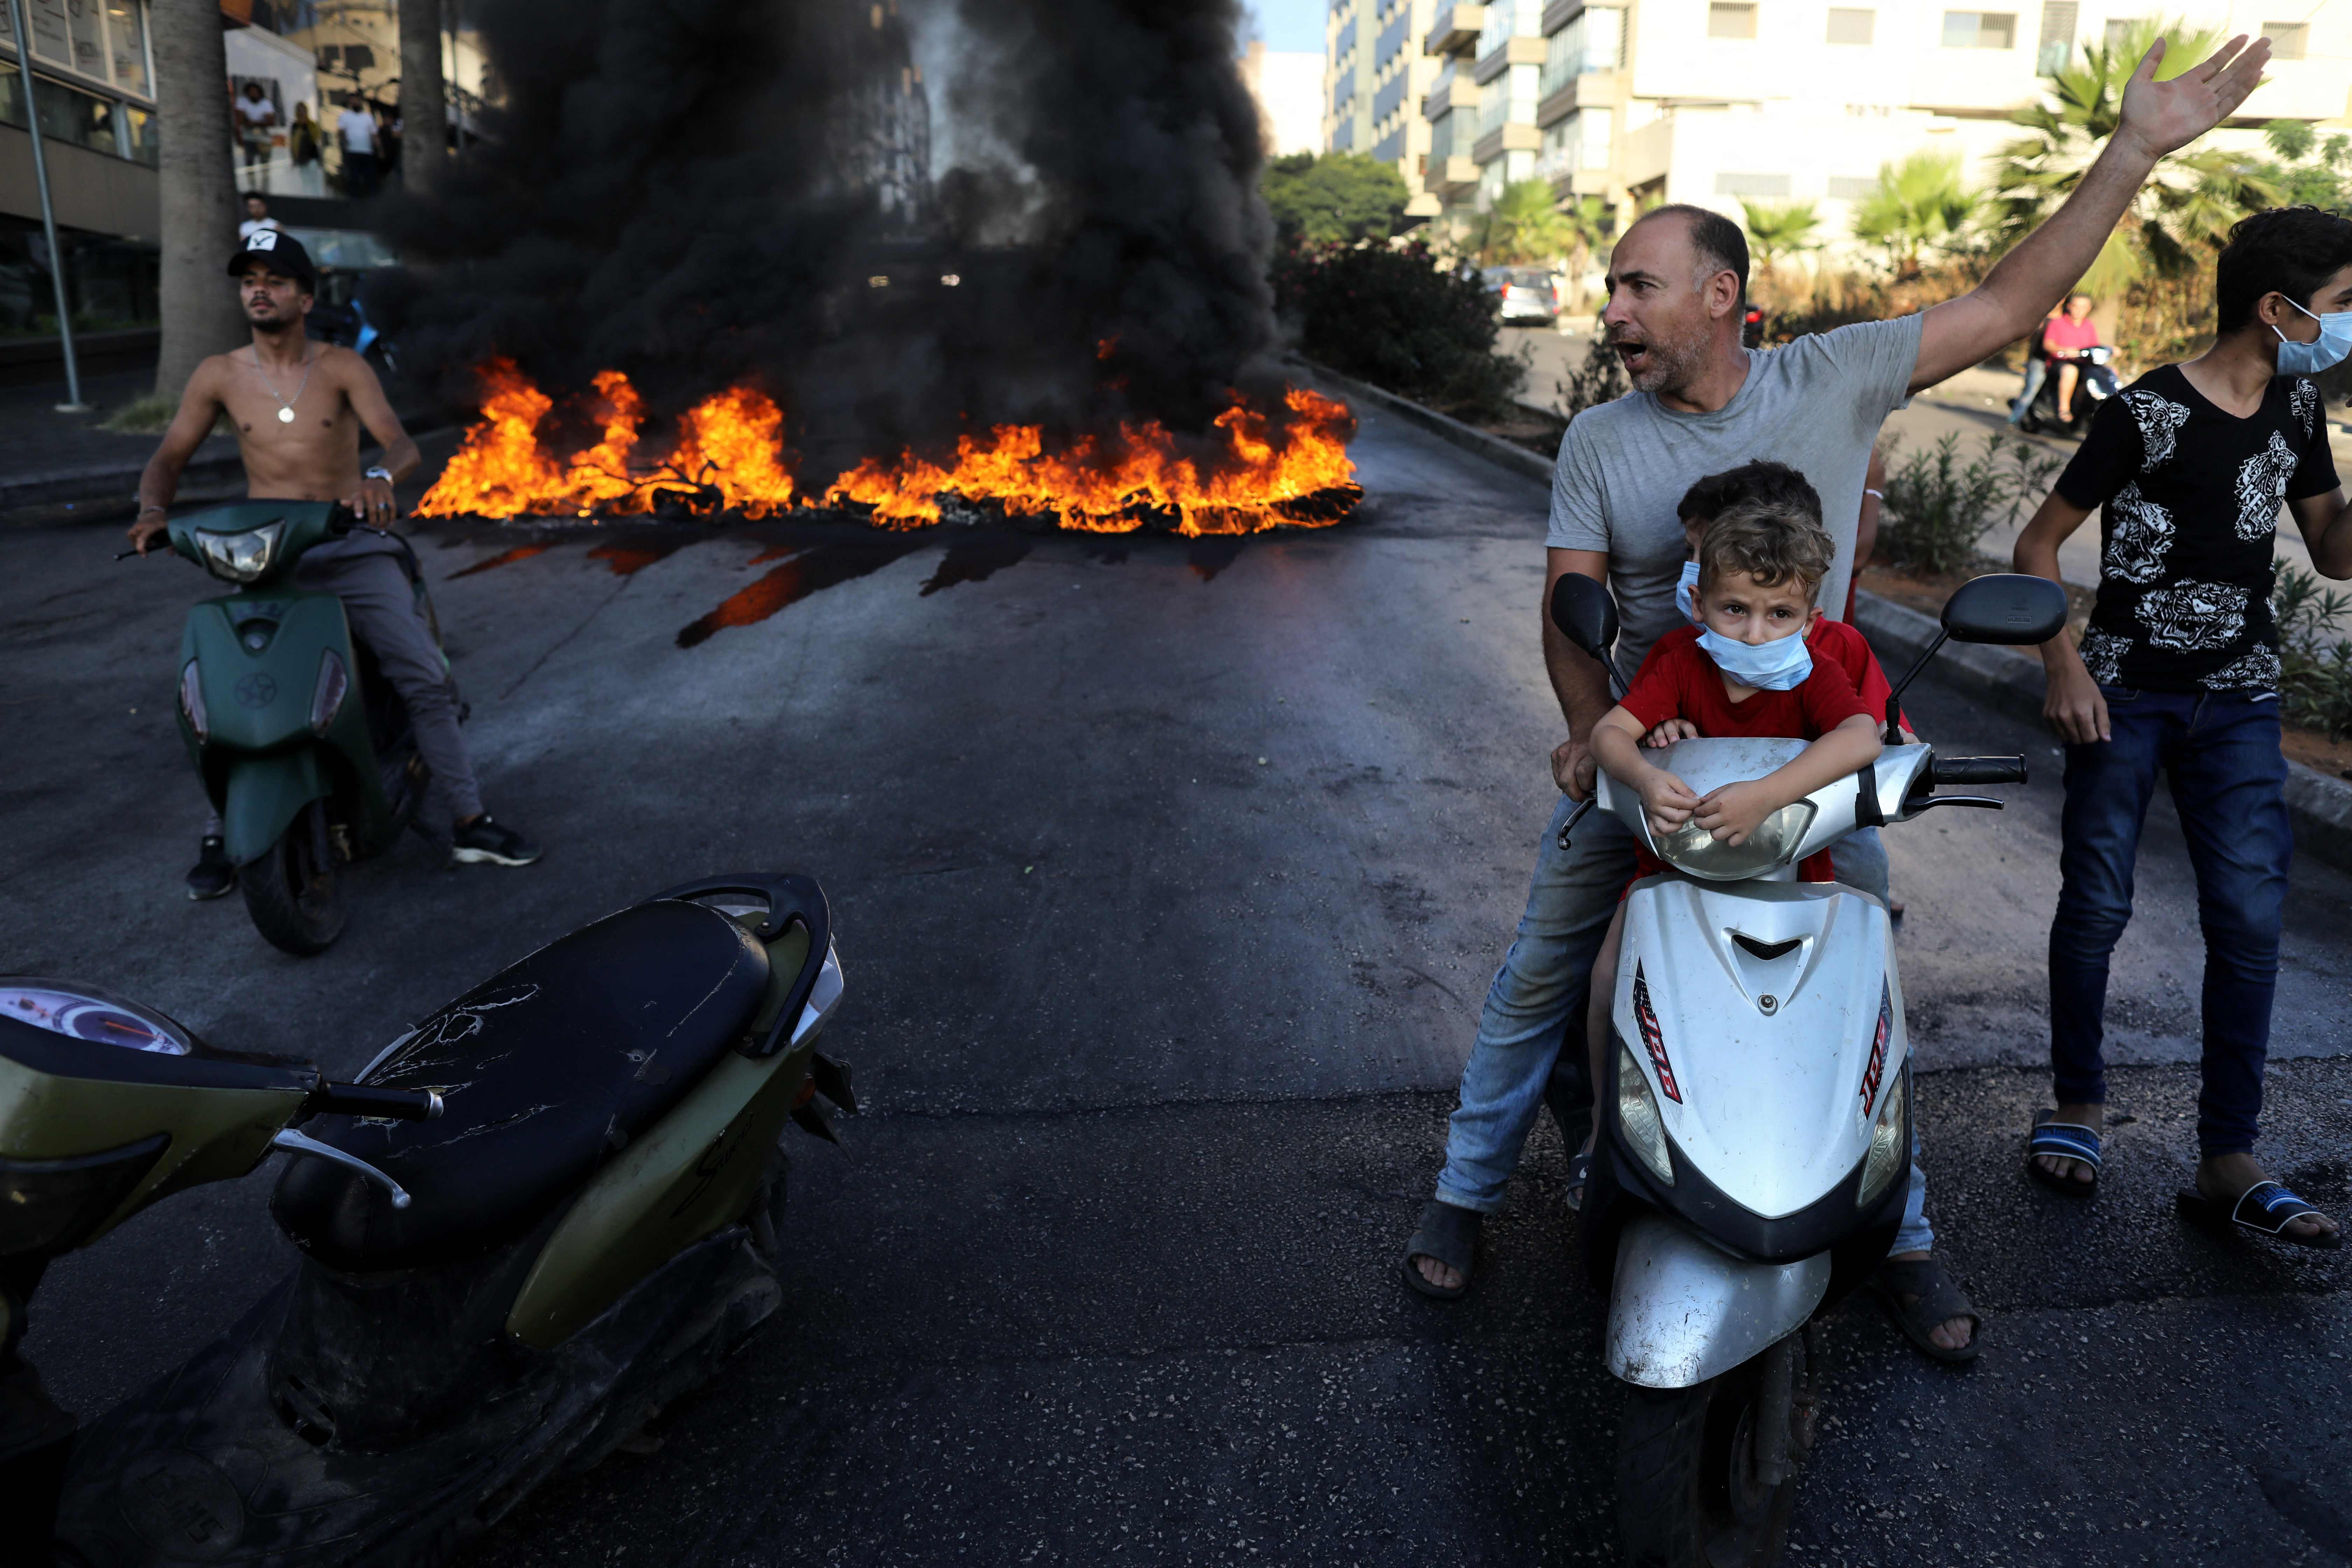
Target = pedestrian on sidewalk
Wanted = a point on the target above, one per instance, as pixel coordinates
(1702, 401)
(257, 215)
(256, 121)
(355, 130)
(2178, 673)
(303, 443)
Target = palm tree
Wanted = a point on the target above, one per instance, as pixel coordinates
(1920, 203)
(2188, 202)
(1778, 231)
(1523, 225)
(197, 188)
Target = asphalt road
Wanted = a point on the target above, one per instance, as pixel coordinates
(1167, 880)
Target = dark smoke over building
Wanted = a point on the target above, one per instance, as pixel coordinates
(706, 192)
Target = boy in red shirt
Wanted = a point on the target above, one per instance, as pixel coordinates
(1744, 670)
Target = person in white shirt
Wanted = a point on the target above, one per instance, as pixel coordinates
(355, 129)
(257, 118)
(257, 215)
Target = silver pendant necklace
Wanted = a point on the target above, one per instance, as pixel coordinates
(285, 406)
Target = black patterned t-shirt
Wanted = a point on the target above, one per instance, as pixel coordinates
(2191, 498)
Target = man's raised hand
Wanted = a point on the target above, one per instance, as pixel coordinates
(2163, 117)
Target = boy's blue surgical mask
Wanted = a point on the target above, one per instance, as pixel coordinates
(1686, 592)
(2324, 352)
(1781, 665)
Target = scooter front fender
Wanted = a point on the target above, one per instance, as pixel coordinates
(264, 794)
(1681, 1311)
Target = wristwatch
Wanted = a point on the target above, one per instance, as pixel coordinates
(378, 473)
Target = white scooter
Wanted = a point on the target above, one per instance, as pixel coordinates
(1756, 1121)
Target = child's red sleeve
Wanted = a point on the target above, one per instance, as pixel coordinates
(1828, 698)
(1851, 650)
(1656, 694)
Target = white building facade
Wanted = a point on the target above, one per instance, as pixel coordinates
(1711, 101)
(1374, 84)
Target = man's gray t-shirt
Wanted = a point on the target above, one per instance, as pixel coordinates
(1815, 404)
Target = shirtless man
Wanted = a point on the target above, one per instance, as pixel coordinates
(297, 406)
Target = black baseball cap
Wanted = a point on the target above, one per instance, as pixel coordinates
(281, 250)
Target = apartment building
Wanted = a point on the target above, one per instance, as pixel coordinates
(1375, 77)
(1710, 101)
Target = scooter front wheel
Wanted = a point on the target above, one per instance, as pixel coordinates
(291, 890)
(1690, 1490)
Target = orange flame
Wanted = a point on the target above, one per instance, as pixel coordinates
(1247, 474)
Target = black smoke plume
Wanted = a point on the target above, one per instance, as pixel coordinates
(690, 191)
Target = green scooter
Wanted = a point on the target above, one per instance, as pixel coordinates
(304, 748)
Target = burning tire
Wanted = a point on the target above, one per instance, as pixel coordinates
(291, 890)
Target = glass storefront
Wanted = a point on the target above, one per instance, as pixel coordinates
(110, 281)
(92, 75)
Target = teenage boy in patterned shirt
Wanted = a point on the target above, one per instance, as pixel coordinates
(2178, 672)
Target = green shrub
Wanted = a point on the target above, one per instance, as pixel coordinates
(1938, 508)
(1599, 379)
(142, 417)
(2316, 667)
(1393, 317)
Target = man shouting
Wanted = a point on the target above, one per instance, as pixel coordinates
(297, 406)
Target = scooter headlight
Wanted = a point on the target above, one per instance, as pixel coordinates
(191, 701)
(241, 557)
(1888, 1153)
(1692, 849)
(1637, 1115)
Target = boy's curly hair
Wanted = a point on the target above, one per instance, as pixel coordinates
(1772, 541)
(1758, 479)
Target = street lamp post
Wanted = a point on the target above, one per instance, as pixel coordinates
(73, 404)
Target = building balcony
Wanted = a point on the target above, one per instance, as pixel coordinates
(1559, 14)
(1508, 137)
(1514, 51)
(1595, 91)
(1451, 177)
(1456, 94)
(1456, 31)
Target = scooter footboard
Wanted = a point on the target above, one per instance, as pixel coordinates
(1682, 1310)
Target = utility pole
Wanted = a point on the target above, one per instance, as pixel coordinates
(73, 403)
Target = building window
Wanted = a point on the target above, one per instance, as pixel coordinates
(1728, 184)
(1730, 21)
(2120, 30)
(1848, 26)
(1851, 188)
(2057, 37)
(1979, 30)
(2288, 39)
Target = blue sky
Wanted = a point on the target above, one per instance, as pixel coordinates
(1290, 25)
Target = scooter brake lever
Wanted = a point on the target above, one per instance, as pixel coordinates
(294, 1142)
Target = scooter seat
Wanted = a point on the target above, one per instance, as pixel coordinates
(545, 1073)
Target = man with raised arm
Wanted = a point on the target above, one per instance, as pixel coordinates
(1702, 403)
(297, 406)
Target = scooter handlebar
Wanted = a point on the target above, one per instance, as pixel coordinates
(366, 1099)
(1977, 770)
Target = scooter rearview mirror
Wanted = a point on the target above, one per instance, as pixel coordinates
(1584, 613)
(2006, 607)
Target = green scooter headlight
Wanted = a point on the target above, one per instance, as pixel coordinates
(241, 557)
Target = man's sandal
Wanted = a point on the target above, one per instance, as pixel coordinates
(1935, 1302)
(2266, 1208)
(1449, 1235)
(2064, 1141)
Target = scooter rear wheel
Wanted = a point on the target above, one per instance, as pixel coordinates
(1688, 1491)
(291, 891)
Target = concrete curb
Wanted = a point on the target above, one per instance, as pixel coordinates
(2319, 806)
(1518, 459)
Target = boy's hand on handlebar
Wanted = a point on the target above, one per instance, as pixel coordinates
(143, 532)
(1668, 732)
(1666, 800)
(1734, 811)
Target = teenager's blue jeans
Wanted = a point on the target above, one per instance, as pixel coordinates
(2220, 751)
(1537, 1005)
(2036, 373)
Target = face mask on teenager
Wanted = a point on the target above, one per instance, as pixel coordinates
(1686, 592)
(1781, 664)
(2324, 352)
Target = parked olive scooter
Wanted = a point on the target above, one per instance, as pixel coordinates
(303, 747)
(1756, 1114)
(540, 1214)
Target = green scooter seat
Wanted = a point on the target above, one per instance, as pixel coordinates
(546, 1072)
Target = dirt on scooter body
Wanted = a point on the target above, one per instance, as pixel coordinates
(541, 1213)
(1755, 1117)
(304, 748)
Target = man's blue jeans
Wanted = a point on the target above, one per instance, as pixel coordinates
(1537, 1005)
(2036, 373)
(2229, 783)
